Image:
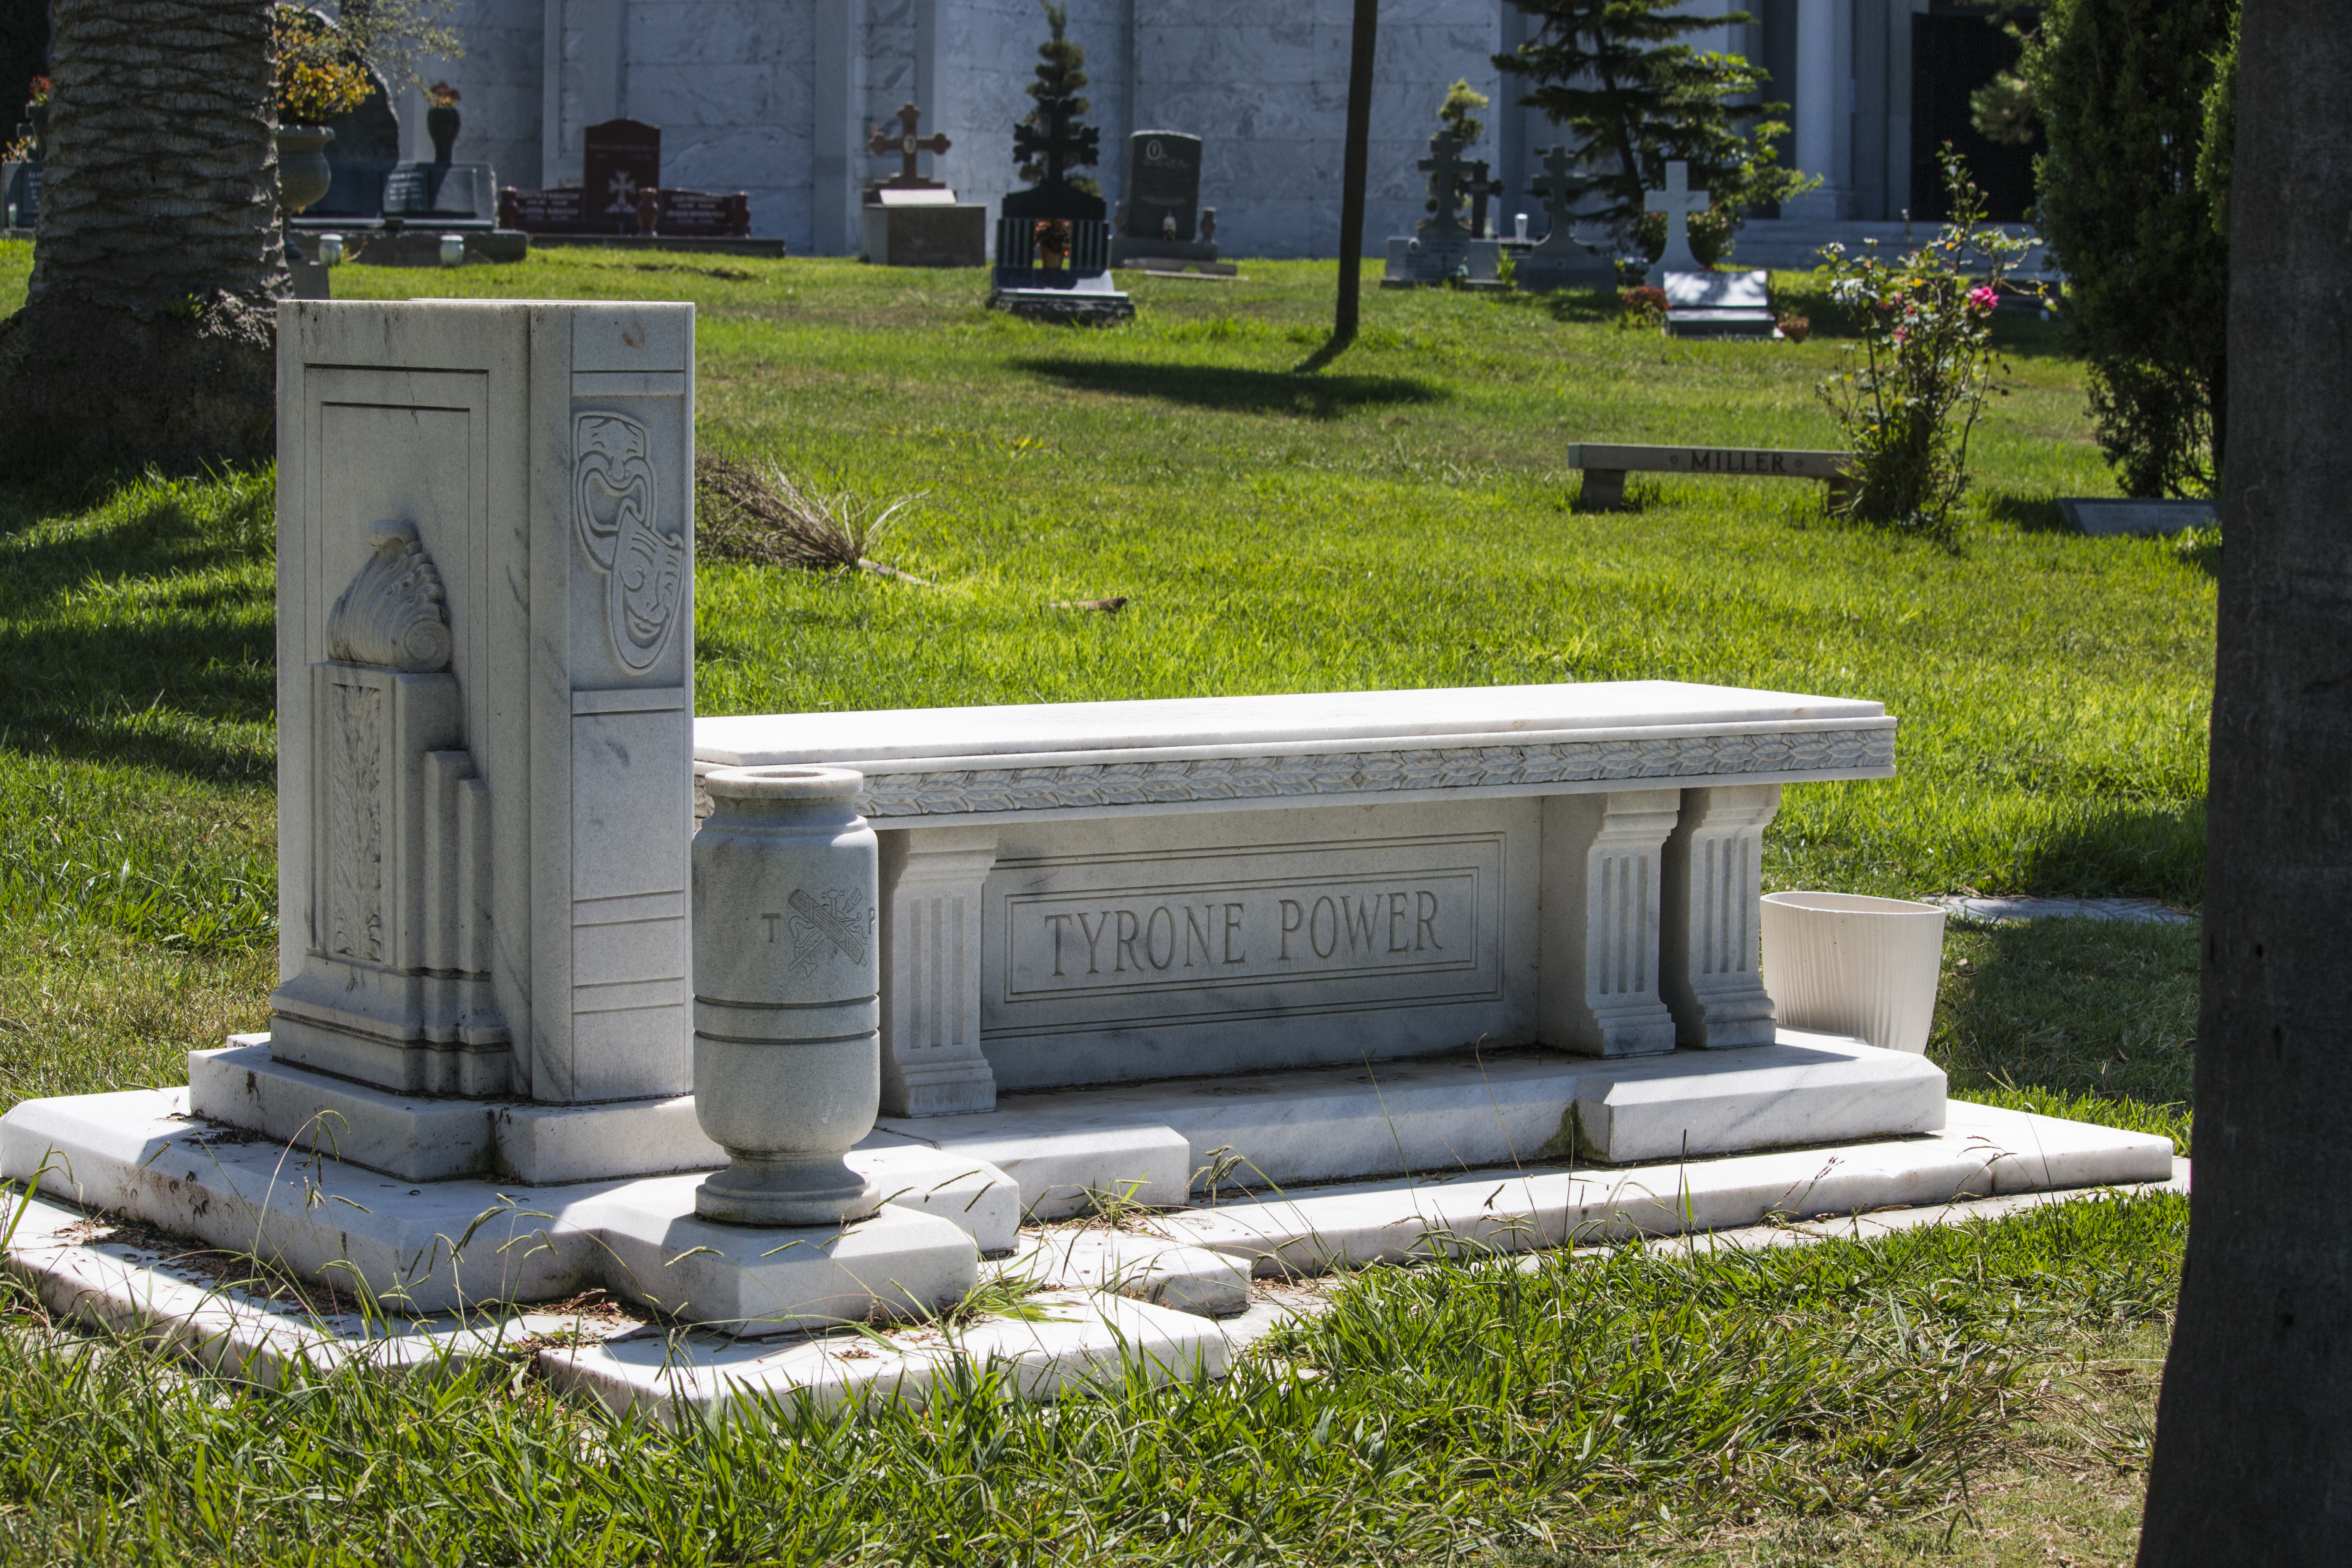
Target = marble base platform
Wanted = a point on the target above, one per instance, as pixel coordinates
(420, 1138)
(438, 1245)
(1112, 1304)
(1159, 1141)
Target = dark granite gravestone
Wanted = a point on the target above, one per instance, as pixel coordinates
(1440, 250)
(560, 211)
(908, 220)
(619, 158)
(445, 193)
(20, 193)
(1035, 275)
(704, 212)
(1161, 219)
(1163, 185)
(1559, 261)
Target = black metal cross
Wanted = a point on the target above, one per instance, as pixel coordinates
(1478, 187)
(1558, 189)
(1062, 146)
(905, 144)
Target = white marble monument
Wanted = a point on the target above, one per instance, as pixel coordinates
(1098, 892)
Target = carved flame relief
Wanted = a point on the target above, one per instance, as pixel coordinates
(644, 565)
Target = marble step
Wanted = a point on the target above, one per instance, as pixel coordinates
(1159, 1143)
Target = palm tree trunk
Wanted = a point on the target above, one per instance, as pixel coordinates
(149, 328)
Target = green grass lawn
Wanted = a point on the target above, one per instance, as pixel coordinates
(1402, 519)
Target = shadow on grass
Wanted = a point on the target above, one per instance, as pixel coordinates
(2028, 514)
(1237, 391)
(2123, 851)
(114, 646)
(2048, 1013)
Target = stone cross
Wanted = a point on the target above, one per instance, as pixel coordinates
(1679, 202)
(1557, 190)
(1445, 170)
(1478, 187)
(905, 144)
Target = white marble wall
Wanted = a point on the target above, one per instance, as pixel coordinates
(776, 97)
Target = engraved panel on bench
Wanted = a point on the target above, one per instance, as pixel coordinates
(1205, 935)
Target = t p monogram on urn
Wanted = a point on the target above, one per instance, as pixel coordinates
(787, 995)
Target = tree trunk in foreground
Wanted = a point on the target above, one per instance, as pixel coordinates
(2253, 1448)
(149, 328)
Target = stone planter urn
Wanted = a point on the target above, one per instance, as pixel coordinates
(787, 995)
(303, 175)
(1845, 963)
(441, 123)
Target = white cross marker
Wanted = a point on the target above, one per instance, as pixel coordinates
(1679, 202)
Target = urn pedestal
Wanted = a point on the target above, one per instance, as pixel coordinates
(787, 995)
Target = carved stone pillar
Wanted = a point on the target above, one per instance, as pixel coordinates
(931, 1061)
(1597, 992)
(1714, 867)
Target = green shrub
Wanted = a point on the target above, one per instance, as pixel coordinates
(1908, 409)
(2128, 191)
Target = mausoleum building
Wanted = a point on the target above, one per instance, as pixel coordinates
(778, 98)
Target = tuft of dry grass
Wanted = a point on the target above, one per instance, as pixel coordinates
(760, 513)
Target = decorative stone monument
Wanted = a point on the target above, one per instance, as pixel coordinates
(1053, 242)
(618, 157)
(1679, 202)
(1161, 220)
(910, 221)
(1557, 261)
(485, 641)
(485, 656)
(1719, 305)
(1440, 249)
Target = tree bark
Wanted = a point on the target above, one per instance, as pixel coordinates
(1355, 163)
(2253, 1448)
(149, 328)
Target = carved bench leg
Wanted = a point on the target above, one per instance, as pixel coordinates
(1714, 867)
(1596, 992)
(931, 1061)
(1604, 490)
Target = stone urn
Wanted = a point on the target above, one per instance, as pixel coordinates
(303, 175)
(787, 995)
(441, 124)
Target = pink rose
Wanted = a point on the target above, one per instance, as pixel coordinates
(1983, 298)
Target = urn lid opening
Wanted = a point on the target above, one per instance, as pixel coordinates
(784, 783)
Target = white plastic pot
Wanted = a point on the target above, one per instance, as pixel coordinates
(1845, 963)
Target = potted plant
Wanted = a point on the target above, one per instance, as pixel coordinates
(441, 119)
(1053, 242)
(319, 79)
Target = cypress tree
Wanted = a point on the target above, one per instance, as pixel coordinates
(1610, 73)
(1061, 78)
(2130, 192)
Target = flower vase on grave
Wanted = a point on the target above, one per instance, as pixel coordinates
(303, 175)
(441, 121)
(787, 995)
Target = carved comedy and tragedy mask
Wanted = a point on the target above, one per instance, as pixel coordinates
(644, 565)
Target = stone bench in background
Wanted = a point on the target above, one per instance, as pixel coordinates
(1605, 468)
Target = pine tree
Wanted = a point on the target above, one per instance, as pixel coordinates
(1060, 80)
(2131, 94)
(1609, 72)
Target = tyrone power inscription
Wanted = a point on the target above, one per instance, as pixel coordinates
(1384, 922)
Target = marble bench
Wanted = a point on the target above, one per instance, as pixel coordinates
(1605, 468)
(1092, 894)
